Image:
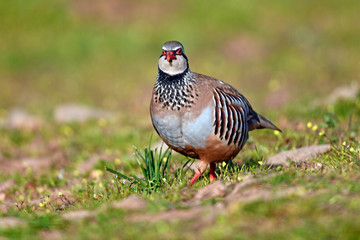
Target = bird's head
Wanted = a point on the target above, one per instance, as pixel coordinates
(173, 60)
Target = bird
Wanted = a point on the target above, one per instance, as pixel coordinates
(200, 116)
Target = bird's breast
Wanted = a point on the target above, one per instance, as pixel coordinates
(185, 128)
(169, 127)
(197, 128)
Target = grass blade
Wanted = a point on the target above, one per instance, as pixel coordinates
(141, 165)
(118, 174)
(140, 181)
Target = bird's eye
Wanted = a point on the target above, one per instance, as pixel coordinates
(163, 52)
(179, 51)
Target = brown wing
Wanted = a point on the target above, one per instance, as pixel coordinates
(254, 120)
(237, 106)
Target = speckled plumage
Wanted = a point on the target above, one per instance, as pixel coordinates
(175, 93)
(200, 116)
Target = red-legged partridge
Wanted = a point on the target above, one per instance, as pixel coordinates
(200, 116)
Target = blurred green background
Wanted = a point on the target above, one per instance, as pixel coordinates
(104, 52)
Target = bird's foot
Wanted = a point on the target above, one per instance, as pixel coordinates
(196, 176)
(212, 172)
(212, 178)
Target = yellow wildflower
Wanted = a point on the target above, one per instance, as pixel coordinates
(117, 161)
(102, 122)
(330, 108)
(276, 133)
(28, 170)
(76, 173)
(67, 130)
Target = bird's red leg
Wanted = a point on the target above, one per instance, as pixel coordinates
(212, 172)
(196, 176)
(201, 169)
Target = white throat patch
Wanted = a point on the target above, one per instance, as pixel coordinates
(174, 67)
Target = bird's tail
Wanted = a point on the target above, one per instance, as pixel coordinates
(259, 122)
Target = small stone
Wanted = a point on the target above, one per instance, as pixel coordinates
(213, 190)
(239, 187)
(5, 206)
(170, 216)
(343, 92)
(20, 119)
(78, 215)
(79, 113)
(297, 156)
(51, 234)
(36, 163)
(10, 222)
(90, 163)
(132, 202)
(6, 185)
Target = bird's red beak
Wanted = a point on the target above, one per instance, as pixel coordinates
(170, 55)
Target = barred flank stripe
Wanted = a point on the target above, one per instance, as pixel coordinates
(234, 123)
(244, 129)
(238, 132)
(223, 116)
(217, 113)
(230, 117)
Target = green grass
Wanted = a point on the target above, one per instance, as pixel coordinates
(155, 167)
(54, 52)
